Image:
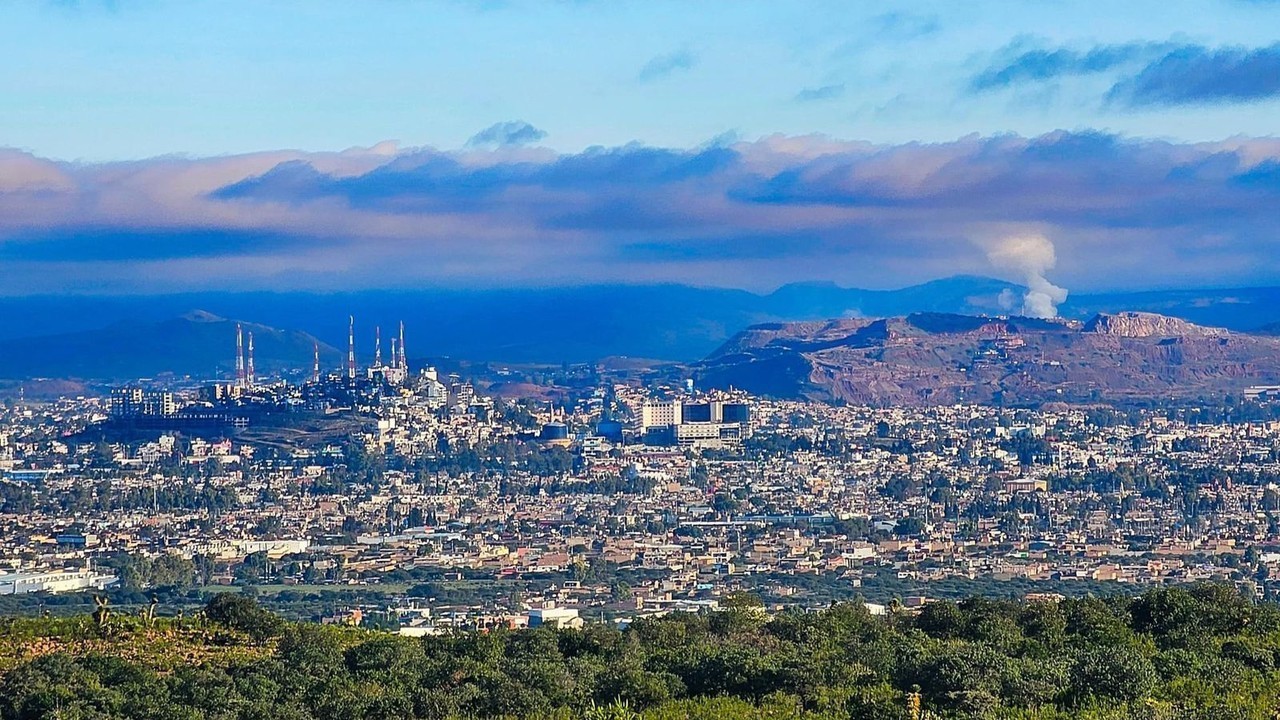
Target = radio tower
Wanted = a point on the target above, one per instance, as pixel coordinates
(351, 349)
(404, 363)
(249, 374)
(377, 346)
(239, 357)
(315, 369)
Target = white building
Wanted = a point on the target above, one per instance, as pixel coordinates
(554, 616)
(229, 549)
(661, 414)
(54, 581)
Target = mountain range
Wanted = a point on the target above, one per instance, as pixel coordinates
(938, 359)
(116, 337)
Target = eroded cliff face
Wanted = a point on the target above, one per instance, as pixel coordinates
(932, 359)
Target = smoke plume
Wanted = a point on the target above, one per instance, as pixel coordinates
(1030, 256)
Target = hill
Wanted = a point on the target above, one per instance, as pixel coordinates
(195, 343)
(937, 358)
(1272, 329)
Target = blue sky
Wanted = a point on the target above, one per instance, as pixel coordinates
(135, 78)
(153, 145)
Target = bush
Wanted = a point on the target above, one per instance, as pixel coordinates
(243, 614)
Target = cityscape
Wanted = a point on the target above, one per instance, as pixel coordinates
(551, 360)
(439, 507)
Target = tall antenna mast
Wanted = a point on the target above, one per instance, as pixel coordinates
(240, 376)
(351, 348)
(249, 373)
(404, 362)
(315, 369)
(377, 346)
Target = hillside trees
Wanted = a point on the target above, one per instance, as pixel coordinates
(1195, 652)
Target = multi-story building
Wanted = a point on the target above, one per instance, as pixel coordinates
(661, 414)
(133, 401)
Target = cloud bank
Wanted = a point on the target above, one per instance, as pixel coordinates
(1148, 74)
(1195, 75)
(1121, 213)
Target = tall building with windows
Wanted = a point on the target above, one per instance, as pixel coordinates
(126, 401)
(660, 414)
(134, 401)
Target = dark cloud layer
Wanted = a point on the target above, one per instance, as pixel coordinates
(1195, 75)
(1121, 212)
(1149, 74)
(125, 245)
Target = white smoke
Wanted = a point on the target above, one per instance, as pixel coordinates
(1008, 300)
(1030, 256)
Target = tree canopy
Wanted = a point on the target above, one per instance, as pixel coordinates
(1196, 652)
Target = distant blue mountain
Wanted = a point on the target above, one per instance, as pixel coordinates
(196, 343)
(670, 322)
(1242, 309)
(574, 324)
